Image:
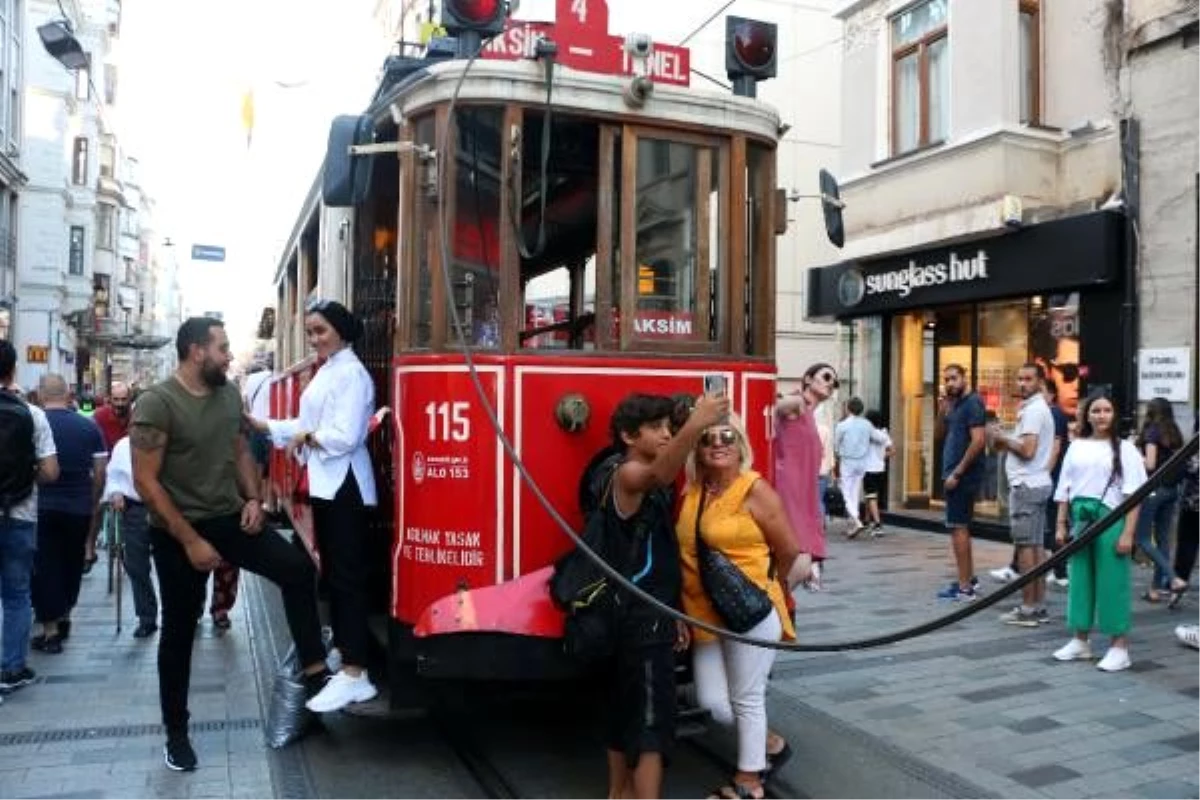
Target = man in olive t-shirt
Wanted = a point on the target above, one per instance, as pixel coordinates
(192, 469)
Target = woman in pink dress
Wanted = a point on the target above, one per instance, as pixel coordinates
(798, 453)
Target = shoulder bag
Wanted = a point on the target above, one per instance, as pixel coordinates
(739, 601)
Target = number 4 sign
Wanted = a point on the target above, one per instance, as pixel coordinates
(584, 43)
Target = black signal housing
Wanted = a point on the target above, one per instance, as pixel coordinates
(750, 53)
(483, 17)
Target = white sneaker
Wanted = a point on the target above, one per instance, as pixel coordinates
(1115, 660)
(340, 691)
(1189, 635)
(1074, 650)
(1004, 575)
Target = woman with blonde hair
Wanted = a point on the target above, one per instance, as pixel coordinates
(728, 507)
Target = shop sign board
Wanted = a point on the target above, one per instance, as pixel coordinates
(1165, 372)
(1072, 253)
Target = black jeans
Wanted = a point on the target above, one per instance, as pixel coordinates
(58, 565)
(182, 588)
(1186, 535)
(340, 526)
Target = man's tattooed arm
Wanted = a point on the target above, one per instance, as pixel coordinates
(148, 446)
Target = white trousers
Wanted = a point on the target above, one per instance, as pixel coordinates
(851, 484)
(731, 683)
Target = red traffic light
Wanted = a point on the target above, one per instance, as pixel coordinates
(754, 44)
(750, 48)
(472, 14)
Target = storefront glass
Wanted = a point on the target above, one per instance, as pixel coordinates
(990, 341)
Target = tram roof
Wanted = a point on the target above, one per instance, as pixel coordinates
(588, 93)
(422, 84)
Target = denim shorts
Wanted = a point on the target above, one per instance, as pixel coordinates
(1027, 514)
(960, 503)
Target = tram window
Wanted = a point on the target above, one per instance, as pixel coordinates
(425, 233)
(559, 280)
(475, 263)
(678, 253)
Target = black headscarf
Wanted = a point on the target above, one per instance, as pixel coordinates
(340, 318)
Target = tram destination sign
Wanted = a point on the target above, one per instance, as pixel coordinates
(581, 32)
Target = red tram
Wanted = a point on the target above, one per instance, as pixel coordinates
(611, 230)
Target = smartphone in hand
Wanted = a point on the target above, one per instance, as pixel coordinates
(714, 385)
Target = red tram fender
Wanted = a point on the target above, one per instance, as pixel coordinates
(521, 607)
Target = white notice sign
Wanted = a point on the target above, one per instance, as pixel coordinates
(1165, 372)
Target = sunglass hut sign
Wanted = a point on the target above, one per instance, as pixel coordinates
(854, 286)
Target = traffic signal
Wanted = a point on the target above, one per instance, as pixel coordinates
(750, 47)
(483, 17)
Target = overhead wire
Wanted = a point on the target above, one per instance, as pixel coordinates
(1085, 537)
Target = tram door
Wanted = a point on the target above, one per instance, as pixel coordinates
(373, 297)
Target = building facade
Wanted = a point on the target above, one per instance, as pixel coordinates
(12, 178)
(988, 149)
(85, 273)
(1160, 91)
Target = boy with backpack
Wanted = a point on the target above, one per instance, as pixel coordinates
(27, 457)
(640, 729)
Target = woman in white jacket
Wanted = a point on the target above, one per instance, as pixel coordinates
(329, 437)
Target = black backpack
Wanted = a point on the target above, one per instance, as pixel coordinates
(593, 604)
(18, 458)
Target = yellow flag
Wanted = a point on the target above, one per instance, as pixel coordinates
(248, 114)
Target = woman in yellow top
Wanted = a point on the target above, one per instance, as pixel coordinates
(744, 518)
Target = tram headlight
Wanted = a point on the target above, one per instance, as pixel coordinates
(750, 50)
(485, 17)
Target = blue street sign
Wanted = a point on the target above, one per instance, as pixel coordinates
(207, 252)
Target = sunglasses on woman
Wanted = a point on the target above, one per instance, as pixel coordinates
(830, 378)
(724, 437)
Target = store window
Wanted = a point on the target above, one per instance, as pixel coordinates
(990, 341)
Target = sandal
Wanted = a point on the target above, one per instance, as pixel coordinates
(1151, 598)
(1177, 593)
(88, 563)
(775, 761)
(736, 791)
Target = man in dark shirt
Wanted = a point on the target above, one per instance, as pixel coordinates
(964, 421)
(65, 518)
(194, 472)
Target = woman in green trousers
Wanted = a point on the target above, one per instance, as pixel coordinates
(1099, 471)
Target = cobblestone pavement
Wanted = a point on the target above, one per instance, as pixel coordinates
(90, 725)
(981, 708)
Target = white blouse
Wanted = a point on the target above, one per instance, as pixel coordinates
(336, 408)
(1087, 472)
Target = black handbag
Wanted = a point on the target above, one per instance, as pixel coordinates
(741, 602)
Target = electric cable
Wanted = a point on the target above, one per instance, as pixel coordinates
(1085, 538)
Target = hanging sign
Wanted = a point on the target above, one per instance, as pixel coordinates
(1165, 372)
(581, 32)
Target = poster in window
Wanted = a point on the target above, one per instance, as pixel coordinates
(1054, 343)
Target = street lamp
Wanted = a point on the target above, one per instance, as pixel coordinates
(62, 45)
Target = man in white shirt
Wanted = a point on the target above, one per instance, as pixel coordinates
(18, 516)
(129, 511)
(1029, 486)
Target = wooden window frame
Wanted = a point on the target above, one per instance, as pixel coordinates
(1034, 10)
(730, 308)
(921, 47)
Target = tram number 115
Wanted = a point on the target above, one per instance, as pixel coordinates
(449, 421)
